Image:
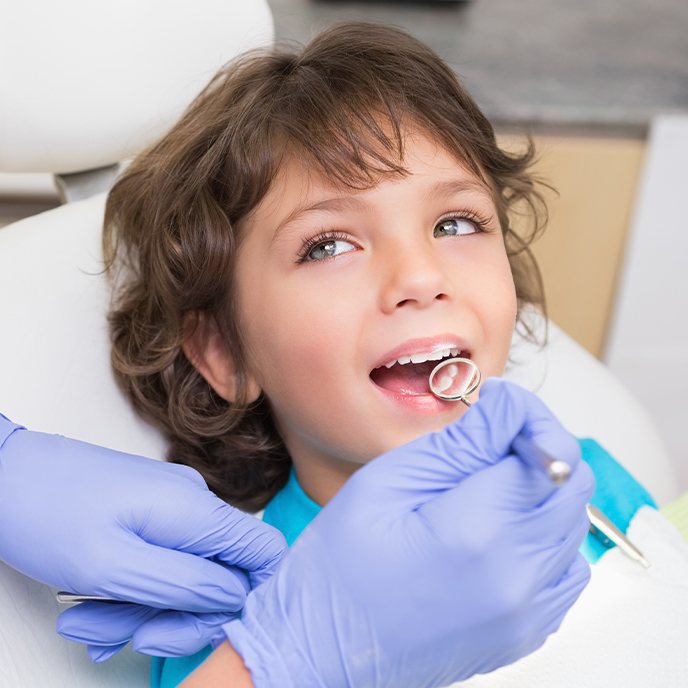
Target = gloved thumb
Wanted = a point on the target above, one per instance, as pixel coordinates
(504, 411)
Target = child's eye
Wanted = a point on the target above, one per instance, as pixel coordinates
(324, 247)
(458, 226)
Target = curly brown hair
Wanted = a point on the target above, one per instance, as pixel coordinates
(340, 104)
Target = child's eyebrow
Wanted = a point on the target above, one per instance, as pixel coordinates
(443, 189)
(450, 187)
(327, 204)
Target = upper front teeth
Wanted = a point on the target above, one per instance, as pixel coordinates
(421, 358)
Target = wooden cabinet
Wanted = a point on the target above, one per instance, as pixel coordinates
(580, 251)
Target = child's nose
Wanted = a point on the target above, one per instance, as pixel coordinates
(413, 277)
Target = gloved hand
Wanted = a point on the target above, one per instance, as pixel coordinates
(95, 521)
(106, 628)
(443, 558)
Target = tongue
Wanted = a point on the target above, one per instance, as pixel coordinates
(411, 378)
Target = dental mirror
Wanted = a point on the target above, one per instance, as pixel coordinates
(454, 379)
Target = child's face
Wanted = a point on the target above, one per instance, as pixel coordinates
(398, 269)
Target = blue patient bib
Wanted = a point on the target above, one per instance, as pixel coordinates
(618, 495)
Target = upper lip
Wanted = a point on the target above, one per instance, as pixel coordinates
(422, 345)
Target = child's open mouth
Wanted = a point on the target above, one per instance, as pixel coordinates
(409, 375)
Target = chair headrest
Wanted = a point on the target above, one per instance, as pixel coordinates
(88, 84)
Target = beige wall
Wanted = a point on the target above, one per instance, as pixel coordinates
(580, 251)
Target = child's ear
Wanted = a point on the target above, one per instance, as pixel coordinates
(210, 354)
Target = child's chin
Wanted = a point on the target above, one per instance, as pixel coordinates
(425, 425)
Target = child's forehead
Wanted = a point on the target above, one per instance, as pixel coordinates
(423, 157)
(429, 167)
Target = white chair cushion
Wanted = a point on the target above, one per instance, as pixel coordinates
(54, 352)
(87, 84)
(591, 402)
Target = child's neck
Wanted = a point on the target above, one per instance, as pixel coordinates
(321, 479)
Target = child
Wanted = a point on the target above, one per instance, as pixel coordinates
(296, 254)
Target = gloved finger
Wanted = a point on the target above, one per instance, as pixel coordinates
(259, 551)
(99, 654)
(103, 624)
(544, 569)
(211, 528)
(565, 505)
(155, 576)
(558, 598)
(481, 438)
(106, 628)
(551, 562)
(178, 634)
(547, 612)
(499, 499)
(503, 411)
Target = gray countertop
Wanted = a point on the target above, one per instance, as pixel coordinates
(595, 65)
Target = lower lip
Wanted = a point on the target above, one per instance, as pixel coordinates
(418, 403)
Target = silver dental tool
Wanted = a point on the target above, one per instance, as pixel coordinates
(455, 379)
(605, 530)
(71, 598)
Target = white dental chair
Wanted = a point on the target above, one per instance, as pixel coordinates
(89, 85)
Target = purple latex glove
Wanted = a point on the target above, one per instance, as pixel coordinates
(106, 628)
(95, 521)
(441, 559)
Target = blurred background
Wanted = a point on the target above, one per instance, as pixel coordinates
(602, 88)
